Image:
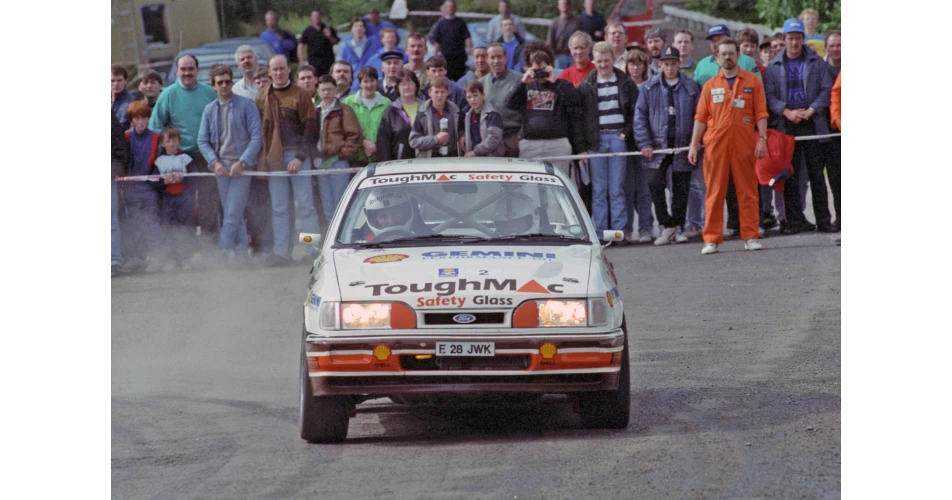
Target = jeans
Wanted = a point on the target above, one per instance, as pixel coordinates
(280, 190)
(608, 182)
(332, 188)
(233, 192)
(696, 195)
(811, 154)
(680, 188)
(116, 235)
(637, 196)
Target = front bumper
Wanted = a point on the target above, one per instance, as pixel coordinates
(405, 363)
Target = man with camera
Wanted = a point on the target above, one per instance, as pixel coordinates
(548, 105)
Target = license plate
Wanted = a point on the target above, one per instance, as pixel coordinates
(465, 348)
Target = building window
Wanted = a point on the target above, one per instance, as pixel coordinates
(156, 24)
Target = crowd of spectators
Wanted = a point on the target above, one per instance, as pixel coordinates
(583, 90)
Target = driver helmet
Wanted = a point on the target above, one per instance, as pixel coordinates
(388, 210)
(515, 214)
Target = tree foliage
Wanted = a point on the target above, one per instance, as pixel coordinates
(775, 12)
(770, 12)
(738, 10)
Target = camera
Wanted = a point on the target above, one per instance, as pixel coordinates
(540, 74)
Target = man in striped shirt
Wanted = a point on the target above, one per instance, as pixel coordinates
(609, 101)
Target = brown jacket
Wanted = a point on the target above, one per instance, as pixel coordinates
(288, 122)
(340, 132)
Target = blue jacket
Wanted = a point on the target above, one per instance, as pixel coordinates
(816, 82)
(246, 130)
(371, 48)
(651, 118)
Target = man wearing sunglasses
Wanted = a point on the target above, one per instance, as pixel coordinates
(229, 139)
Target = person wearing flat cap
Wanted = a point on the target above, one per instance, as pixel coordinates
(391, 62)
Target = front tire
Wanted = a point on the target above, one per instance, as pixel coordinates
(609, 409)
(323, 419)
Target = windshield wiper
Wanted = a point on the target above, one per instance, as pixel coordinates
(538, 237)
(451, 237)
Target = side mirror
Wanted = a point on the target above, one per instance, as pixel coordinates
(612, 235)
(312, 239)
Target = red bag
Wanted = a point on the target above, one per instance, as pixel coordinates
(779, 156)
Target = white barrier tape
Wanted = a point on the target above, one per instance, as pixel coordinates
(658, 151)
(326, 171)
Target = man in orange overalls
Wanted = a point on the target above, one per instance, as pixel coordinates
(729, 106)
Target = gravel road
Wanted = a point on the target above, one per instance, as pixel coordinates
(735, 362)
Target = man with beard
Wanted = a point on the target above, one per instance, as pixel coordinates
(655, 41)
(730, 104)
(708, 66)
(343, 74)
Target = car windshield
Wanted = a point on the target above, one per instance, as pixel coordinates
(462, 208)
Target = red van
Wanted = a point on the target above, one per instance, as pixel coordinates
(636, 15)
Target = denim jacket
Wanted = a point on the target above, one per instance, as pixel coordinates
(246, 130)
(816, 82)
(651, 119)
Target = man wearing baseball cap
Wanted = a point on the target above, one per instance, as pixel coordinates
(797, 88)
(708, 67)
(664, 118)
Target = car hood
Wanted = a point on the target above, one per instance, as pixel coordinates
(453, 276)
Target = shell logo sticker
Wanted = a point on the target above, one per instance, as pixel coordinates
(382, 352)
(547, 350)
(390, 257)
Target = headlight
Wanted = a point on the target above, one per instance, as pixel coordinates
(366, 315)
(550, 313)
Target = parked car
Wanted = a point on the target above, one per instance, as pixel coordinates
(262, 48)
(451, 279)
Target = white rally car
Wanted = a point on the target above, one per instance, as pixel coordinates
(466, 276)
